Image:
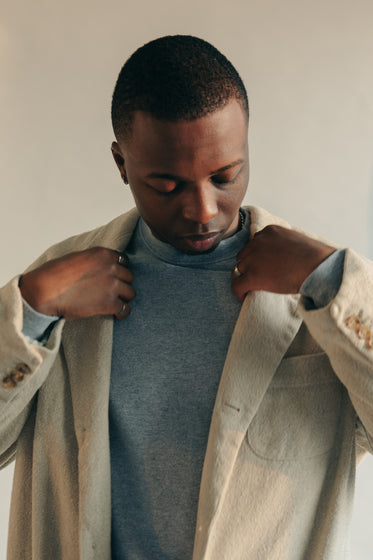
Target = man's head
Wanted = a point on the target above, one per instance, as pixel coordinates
(172, 78)
(180, 116)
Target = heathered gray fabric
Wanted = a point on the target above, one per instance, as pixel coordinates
(323, 284)
(167, 359)
(36, 326)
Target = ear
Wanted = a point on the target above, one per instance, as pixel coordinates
(119, 160)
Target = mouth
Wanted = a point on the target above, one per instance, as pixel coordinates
(200, 243)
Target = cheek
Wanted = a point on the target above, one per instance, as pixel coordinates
(241, 191)
(233, 199)
(153, 211)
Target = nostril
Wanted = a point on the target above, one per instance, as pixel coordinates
(199, 204)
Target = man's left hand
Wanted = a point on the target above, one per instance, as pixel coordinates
(277, 260)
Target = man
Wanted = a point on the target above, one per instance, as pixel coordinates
(218, 415)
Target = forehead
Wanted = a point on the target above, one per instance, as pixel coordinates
(215, 139)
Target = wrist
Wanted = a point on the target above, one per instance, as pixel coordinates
(31, 295)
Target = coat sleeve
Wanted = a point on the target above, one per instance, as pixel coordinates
(344, 329)
(23, 368)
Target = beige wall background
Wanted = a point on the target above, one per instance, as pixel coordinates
(308, 69)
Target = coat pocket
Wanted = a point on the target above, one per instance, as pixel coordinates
(300, 413)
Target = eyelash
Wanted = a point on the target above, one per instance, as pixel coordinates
(223, 182)
(179, 186)
(230, 182)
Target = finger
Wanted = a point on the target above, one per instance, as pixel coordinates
(244, 278)
(241, 287)
(241, 268)
(124, 274)
(246, 250)
(119, 257)
(125, 291)
(123, 259)
(124, 310)
(236, 272)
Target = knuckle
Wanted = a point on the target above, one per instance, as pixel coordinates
(107, 255)
(270, 229)
(116, 285)
(102, 253)
(111, 269)
(115, 304)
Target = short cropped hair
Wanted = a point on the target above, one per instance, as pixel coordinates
(177, 77)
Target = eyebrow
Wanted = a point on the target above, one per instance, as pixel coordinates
(171, 177)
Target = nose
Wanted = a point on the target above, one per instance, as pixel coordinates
(199, 203)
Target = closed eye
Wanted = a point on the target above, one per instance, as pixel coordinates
(167, 189)
(226, 179)
(220, 181)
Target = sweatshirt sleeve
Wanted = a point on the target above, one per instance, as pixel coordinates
(323, 284)
(36, 326)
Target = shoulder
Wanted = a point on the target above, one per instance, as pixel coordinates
(113, 235)
(260, 218)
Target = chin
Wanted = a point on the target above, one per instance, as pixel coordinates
(206, 252)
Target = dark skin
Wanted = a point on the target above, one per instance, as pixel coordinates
(80, 284)
(188, 180)
(277, 260)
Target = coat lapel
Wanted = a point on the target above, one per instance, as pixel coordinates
(264, 331)
(87, 348)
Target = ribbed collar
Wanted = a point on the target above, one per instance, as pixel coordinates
(226, 249)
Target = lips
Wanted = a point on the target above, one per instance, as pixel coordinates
(200, 243)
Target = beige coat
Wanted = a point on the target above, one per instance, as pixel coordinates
(279, 471)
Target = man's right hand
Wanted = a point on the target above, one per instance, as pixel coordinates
(81, 284)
